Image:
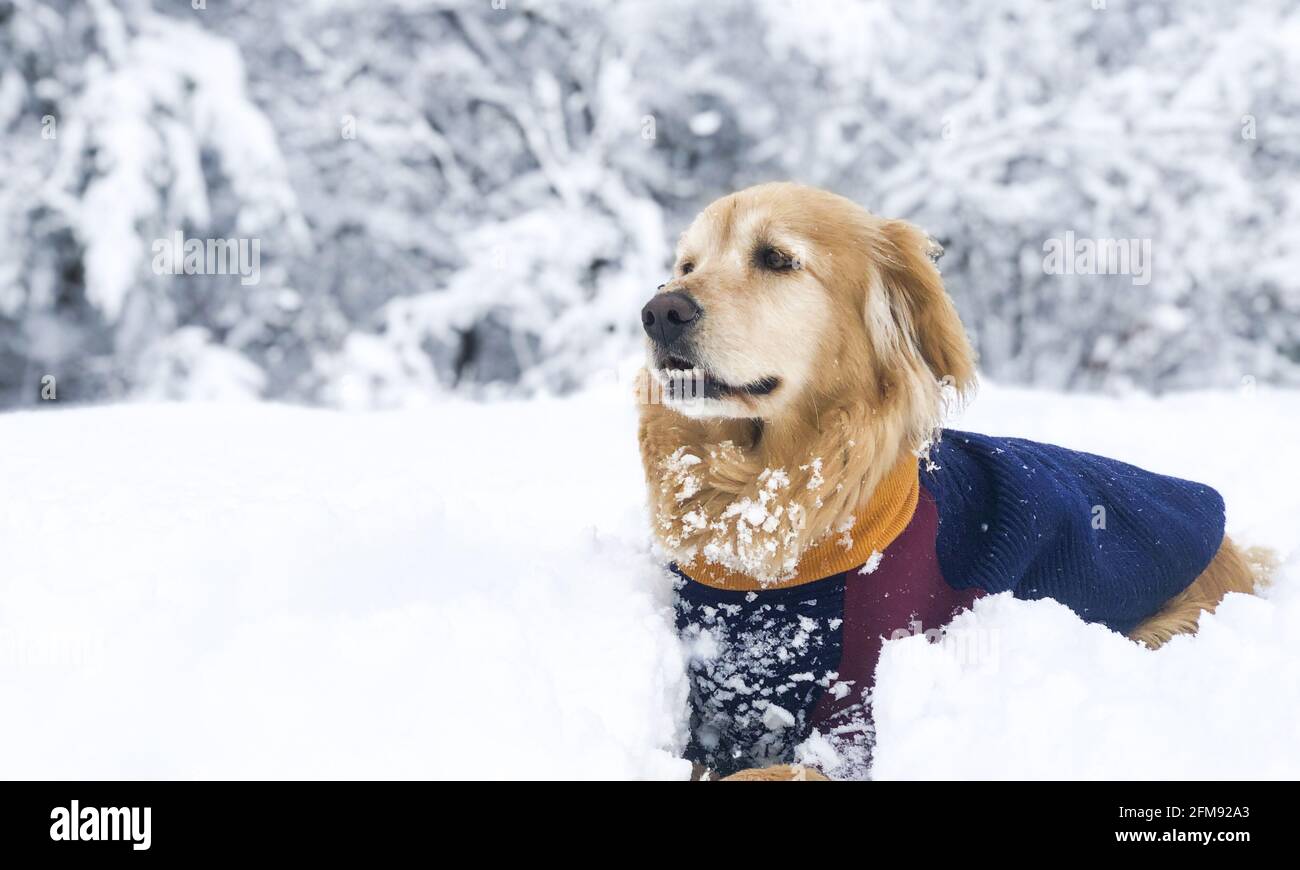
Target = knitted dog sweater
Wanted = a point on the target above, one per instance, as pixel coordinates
(771, 665)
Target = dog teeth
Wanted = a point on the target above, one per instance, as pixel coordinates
(683, 384)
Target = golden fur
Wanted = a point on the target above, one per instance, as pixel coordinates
(1231, 570)
(869, 352)
(868, 384)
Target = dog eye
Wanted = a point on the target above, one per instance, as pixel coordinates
(771, 258)
(688, 268)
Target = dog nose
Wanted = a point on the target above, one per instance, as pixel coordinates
(667, 315)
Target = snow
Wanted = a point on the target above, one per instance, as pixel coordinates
(262, 591)
(1025, 690)
(872, 563)
(468, 590)
(179, 71)
(473, 199)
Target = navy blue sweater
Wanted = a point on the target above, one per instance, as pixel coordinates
(1107, 539)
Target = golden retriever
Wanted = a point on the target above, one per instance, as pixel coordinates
(802, 350)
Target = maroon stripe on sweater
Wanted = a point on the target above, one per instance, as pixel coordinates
(905, 593)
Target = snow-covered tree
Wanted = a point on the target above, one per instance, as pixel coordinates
(130, 126)
(477, 196)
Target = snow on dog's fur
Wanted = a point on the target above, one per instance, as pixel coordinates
(827, 350)
(846, 312)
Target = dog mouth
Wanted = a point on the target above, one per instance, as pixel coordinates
(685, 379)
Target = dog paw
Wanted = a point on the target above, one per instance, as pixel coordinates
(777, 773)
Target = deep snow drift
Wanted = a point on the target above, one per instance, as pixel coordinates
(469, 590)
(243, 591)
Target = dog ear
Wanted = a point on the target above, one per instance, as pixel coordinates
(922, 308)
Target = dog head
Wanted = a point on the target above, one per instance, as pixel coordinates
(785, 299)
